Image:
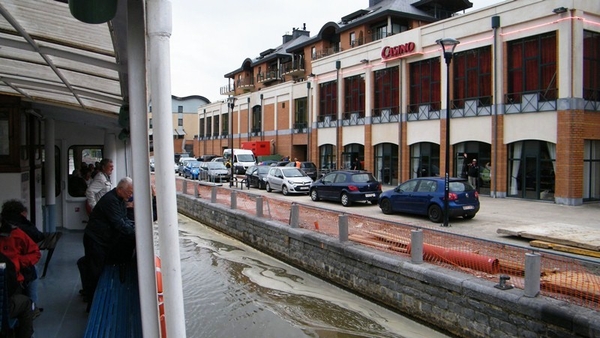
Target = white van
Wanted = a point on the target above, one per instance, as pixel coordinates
(242, 159)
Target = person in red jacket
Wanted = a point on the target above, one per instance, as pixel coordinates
(18, 247)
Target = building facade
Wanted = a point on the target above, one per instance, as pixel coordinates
(523, 88)
(185, 122)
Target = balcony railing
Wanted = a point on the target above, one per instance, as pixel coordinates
(228, 89)
(591, 98)
(525, 102)
(424, 111)
(326, 121)
(300, 128)
(353, 118)
(326, 52)
(385, 115)
(269, 76)
(474, 106)
(247, 82)
(293, 68)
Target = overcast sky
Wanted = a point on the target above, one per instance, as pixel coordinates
(213, 38)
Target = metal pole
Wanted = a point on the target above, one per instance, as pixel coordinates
(447, 177)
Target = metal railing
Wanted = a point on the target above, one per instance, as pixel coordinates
(424, 111)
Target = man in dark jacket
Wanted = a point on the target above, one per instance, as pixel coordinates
(109, 236)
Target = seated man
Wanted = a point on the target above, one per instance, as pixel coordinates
(109, 236)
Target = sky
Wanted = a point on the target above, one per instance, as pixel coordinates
(209, 41)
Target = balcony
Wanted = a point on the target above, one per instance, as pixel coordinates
(228, 89)
(293, 68)
(326, 52)
(269, 76)
(385, 115)
(591, 98)
(246, 83)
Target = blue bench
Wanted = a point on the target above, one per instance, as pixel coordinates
(115, 310)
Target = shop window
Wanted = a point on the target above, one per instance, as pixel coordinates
(424, 160)
(327, 158)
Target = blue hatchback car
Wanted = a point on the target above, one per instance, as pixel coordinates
(346, 186)
(191, 169)
(425, 196)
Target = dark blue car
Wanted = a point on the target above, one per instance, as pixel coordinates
(425, 196)
(346, 186)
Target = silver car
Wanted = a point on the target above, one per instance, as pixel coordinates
(217, 172)
(289, 180)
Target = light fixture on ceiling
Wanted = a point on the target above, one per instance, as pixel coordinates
(559, 10)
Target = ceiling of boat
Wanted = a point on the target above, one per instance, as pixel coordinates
(62, 66)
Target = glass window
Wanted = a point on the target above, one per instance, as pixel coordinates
(591, 170)
(591, 67)
(472, 77)
(328, 99)
(81, 161)
(425, 160)
(531, 67)
(425, 84)
(387, 91)
(354, 95)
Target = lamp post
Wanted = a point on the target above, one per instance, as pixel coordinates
(448, 45)
(231, 104)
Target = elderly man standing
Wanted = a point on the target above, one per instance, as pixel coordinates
(100, 185)
(109, 236)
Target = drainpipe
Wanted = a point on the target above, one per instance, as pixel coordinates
(495, 26)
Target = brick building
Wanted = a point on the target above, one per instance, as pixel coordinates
(524, 94)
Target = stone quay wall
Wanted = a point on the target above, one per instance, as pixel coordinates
(460, 304)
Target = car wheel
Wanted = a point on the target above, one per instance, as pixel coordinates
(314, 195)
(268, 187)
(345, 200)
(386, 206)
(469, 216)
(435, 213)
(284, 190)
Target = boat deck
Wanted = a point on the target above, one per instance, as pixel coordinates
(64, 313)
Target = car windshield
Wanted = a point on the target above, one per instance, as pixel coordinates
(309, 165)
(263, 169)
(245, 158)
(195, 164)
(362, 178)
(293, 172)
(216, 165)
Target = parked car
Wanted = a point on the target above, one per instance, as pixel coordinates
(425, 196)
(207, 158)
(191, 169)
(267, 162)
(288, 180)
(217, 172)
(346, 186)
(280, 163)
(182, 162)
(218, 159)
(257, 176)
(308, 167)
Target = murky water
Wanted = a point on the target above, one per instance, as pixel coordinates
(232, 290)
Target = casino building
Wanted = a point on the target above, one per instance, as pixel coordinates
(522, 92)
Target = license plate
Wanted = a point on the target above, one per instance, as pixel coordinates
(302, 188)
(468, 207)
(369, 195)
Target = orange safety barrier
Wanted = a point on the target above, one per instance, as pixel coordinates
(159, 291)
(461, 258)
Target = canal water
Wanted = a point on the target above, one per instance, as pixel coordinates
(232, 290)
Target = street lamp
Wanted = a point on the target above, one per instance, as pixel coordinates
(448, 45)
(231, 104)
